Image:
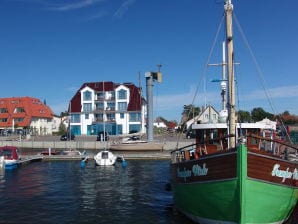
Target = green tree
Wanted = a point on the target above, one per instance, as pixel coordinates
(244, 116)
(190, 111)
(62, 129)
(63, 114)
(259, 114)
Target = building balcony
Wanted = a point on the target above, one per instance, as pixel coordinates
(105, 99)
(108, 110)
(100, 120)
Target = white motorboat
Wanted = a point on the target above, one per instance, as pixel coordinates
(105, 158)
(135, 143)
(73, 152)
(9, 157)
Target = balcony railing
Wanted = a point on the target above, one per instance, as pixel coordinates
(109, 110)
(101, 98)
(100, 120)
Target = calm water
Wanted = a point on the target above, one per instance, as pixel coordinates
(63, 192)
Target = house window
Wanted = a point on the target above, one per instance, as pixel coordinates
(20, 119)
(19, 110)
(75, 118)
(100, 95)
(133, 128)
(87, 96)
(100, 106)
(122, 94)
(99, 117)
(214, 117)
(121, 115)
(3, 119)
(3, 110)
(110, 117)
(133, 117)
(122, 106)
(110, 106)
(87, 107)
(86, 116)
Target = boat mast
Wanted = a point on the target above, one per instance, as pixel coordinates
(104, 114)
(231, 85)
(223, 83)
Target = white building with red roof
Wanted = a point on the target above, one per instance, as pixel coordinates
(107, 106)
(19, 113)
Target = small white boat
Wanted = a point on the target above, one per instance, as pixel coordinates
(105, 158)
(9, 157)
(135, 143)
(73, 152)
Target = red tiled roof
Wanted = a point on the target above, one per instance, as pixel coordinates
(28, 108)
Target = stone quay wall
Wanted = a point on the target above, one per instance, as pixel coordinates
(90, 145)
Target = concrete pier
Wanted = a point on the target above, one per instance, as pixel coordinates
(80, 145)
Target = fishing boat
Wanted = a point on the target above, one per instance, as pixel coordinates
(105, 158)
(9, 157)
(235, 172)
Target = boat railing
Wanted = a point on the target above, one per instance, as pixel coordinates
(274, 147)
(199, 149)
(183, 153)
(254, 143)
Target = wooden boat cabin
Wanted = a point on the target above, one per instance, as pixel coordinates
(214, 138)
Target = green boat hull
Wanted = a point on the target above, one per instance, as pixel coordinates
(234, 200)
(220, 202)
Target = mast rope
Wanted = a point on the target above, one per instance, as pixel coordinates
(259, 72)
(204, 73)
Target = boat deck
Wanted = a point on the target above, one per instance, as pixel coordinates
(29, 159)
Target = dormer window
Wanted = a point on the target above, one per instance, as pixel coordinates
(87, 96)
(19, 110)
(122, 94)
(3, 110)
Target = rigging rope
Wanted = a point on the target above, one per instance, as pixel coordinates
(204, 72)
(259, 72)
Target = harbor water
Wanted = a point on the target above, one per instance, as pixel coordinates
(63, 192)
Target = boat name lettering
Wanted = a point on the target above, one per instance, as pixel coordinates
(183, 173)
(284, 174)
(199, 171)
(195, 171)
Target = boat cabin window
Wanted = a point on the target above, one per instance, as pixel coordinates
(105, 155)
(6, 153)
(209, 136)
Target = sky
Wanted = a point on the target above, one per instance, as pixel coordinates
(49, 48)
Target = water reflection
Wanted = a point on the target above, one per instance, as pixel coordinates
(63, 192)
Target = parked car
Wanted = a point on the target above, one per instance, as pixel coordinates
(134, 138)
(67, 137)
(102, 136)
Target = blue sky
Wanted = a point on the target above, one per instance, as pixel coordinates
(49, 48)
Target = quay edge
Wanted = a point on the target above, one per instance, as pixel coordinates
(80, 145)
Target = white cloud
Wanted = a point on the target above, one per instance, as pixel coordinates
(123, 8)
(278, 92)
(74, 5)
(97, 16)
(171, 106)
